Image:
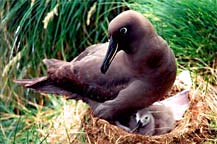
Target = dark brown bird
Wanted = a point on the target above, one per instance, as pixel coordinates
(133, 70)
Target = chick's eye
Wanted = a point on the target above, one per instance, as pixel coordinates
(123, 30)
(147, 118)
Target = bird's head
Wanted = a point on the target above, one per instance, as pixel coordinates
(145, 122)
(125, 30)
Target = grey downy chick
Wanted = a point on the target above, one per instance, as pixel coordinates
(154, 120)
(159, 118)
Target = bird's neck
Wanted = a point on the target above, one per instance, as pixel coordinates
(148, 56)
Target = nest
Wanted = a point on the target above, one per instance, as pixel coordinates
(194, 127)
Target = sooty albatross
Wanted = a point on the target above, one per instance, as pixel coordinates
(132, 71)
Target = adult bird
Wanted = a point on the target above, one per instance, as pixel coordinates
(132, 71)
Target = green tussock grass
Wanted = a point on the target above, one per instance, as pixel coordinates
(23, 127)
(51, 123)
(33, 30)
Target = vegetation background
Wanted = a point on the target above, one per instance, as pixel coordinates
(33, 30)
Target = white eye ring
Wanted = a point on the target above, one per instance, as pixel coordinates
(123, 30)
(145, 119)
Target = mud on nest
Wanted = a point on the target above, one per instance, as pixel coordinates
(194, 127)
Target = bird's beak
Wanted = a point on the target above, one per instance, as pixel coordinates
(139, 124)
(111, 52)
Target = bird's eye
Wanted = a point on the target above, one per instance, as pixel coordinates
(145, 120)
(123, 30)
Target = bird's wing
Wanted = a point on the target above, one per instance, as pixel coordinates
(93, 50)
(43, 85)
(61, 80)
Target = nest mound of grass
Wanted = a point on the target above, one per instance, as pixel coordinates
(194, 127)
